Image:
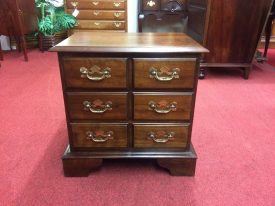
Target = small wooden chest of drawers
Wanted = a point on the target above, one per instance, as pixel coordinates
(129, 95)
(99, 14)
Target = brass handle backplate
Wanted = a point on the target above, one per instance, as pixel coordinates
(99, 136)
(95, 73)
(117, 24)
(164, 74)
(161, 136)
(162, 107)
(117, 14)
(95, 3)
(117, 4)
(74, 4)
(97, 106)
(96, 13)
(151, 3)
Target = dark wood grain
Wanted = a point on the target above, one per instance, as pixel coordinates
(80, 140)
(143, 112)
(131, 117)
(17, 18)
(76, 108)
(73, 76)
(179, 140)
(235, 29)
(186, 69)
(129, 42)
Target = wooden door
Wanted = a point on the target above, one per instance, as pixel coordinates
(234, 30)
(198, 12)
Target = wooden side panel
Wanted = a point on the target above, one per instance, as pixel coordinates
(197, 18)
(234, 29)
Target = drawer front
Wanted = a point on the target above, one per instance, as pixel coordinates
(100, 25)
(99, 136)
(100, 14)
(96, 4)
(173, 5)
(151, 5)
(164, 106)
(95, 72)
(161, 136)
(97, 106)
(164, 73)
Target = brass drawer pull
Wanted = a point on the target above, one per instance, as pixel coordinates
(95, 3)
(100, 136)
(151, 3)
(117, 24)
(161, 136)
(117, 4)
(164, 74)
(162, 107)
(117, 14)
(96, 13)
(97, 106)
(74, 4)
(95, 73)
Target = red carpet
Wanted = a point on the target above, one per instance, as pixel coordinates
(270, 56)
(234, 135)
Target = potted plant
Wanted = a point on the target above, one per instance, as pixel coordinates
(51, 21)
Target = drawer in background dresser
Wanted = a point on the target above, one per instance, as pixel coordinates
(173, 5)
(163, 106)
(161, 135)
(99, 135)
(96, 4)
(95, 72)
(100, 25)
(164, 73)
(97, 106)
(100, 14)
(151, 5)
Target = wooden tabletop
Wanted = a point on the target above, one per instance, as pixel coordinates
(129, 42)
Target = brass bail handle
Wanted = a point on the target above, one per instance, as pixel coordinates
(100, 136)
(97, 106)
(161, 137)
(164, 74)
(162, 107)
(95, 73)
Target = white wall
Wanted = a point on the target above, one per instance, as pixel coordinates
(5, 43)
(132, 15)
(132, 22)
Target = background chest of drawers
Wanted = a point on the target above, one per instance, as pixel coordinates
(107, 15)
(131, 99)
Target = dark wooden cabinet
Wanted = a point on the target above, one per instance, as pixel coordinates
(18, 17)
(230, 30)
(233, 33)
(129, 95)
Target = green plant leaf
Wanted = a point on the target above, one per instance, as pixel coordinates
(45, 26)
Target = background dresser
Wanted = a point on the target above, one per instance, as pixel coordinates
(129, 95)
(107, 15)
(231, 30)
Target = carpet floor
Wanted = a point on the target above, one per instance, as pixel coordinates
(233, 134)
